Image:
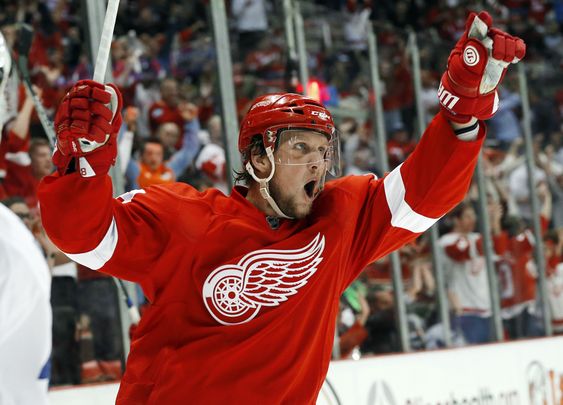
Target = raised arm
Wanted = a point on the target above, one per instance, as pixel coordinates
(437, 175)
(20, 126)
(182, 158)
(121, 236)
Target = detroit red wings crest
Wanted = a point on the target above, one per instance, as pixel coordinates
(235, 293)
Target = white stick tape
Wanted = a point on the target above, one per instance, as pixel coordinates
(105, 41)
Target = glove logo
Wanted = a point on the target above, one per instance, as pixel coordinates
(447, 99)
(471, 56)
(234, 293)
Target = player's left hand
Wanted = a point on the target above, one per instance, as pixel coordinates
(476, 67)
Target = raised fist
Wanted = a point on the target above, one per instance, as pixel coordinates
(476, 66)
(87, 123)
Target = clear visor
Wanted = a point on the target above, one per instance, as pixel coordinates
(307, 146)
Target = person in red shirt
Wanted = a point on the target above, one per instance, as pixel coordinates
(518, 274)
(167, 108)
(399, 146)
(23, 180)
(244, 289)
(14, 143)
(553, 251)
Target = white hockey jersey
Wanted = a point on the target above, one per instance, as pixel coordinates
(25, 315)
(466, 274)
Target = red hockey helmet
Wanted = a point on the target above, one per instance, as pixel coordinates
(272, 114)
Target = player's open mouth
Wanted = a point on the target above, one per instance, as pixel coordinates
(310, 188)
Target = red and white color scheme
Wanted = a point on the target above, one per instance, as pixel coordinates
(234, 294)
(212, 162)
(476, 67)
(517, 274)
(466, 272)
(520, 372)
(555, 296)
(176, 242)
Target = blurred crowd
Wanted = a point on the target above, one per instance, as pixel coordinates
(164, 61)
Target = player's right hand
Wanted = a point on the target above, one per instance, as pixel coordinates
(87, 123)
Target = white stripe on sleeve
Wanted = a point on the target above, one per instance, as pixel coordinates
(402, 215)
(96, 258)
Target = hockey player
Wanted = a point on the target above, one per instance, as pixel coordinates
(245, 288)
(25, 323)
(25, 310)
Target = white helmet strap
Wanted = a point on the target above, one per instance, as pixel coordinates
(264, 183)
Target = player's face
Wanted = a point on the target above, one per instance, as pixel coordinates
(298, 178)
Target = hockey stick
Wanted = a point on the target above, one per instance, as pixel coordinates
(99, 76)
(105, 41)
(133, 310)
(25, 36)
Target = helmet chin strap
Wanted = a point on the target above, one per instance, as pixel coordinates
(264, 184)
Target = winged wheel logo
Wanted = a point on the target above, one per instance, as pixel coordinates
(235, 293)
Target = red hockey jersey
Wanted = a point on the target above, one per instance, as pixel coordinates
(241, 312)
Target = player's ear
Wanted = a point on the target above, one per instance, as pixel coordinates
(261, 164)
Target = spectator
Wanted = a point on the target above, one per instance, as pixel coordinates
(150, 169)
(429, 101)
(504, 126)
(354, 312)
(398, 94)
(19, 207)
(167, 108)
(517, 275)
(399, 146)
(356, 28)
(211, 160)
(518, 185)
(468, 288)
(14, 144)
(169, 135)
(99, 327)
(382, 333)
(251, 23)
(23, 179)
(554, 184)
(554, 260)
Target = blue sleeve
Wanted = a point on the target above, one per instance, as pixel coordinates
(512, 100)
(132, 174)
(181, 159)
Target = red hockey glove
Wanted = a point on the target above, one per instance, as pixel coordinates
(476, 67)
(87, 123)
